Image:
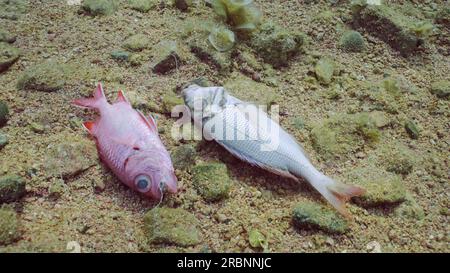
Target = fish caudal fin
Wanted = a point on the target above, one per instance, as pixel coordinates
(336, 193)
(94, 102)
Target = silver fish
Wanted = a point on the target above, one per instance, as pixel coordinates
(250, 134)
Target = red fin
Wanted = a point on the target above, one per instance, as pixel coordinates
(121, 97)
(150, 122)
(342, 194)
(89, 126)
(95, 102)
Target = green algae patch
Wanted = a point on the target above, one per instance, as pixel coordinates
(12, 188)
(4, 113)
(183, 157)
(310, 215)
(251, 91)
(382, 188)
(410, 209)
(143, 5)
(120, 55)
(68, 155)
(222, 39)
(441, 89)
(352, 41)
(4, 140)
(344, 133)
(211, 181)
(6, 37)
(397, 158)
(8, 56)
(258, 240)
(172, 226)
(169, 101)
(100, 7)
(136, 42)
(412, 129)
(13, 9)
(48, 76)
(243, 15)
(324, 70)
(167, 55)
(9, 225)
(276, 45)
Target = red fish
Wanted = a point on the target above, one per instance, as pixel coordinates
(128, 142)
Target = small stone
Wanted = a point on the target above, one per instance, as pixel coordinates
(183, 5)
(120, 55)
(12, 188)
(100, 7)
(143, 5)
(4, 113)
(6, 37)
(99, 185)
(136, 42)
(3, 140)
(220, 217)
(8, 56)
(166, 57)
(172, 226)
(311, 216)
(37, 127)
(184, 157)
(9, 225)
(48, 77)
(441, 89)
(411, 129)
(324, 70)
(352, 41)
(211, 180)
(257, 239)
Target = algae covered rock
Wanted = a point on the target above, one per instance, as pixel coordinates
(100, 7)
(344, 133)
(324, 70)
(12, 9)
(275, 44)
(183, 157)
(352, 41)
(382, 188)
(69, 155)
(12, 188)
(411, 129)
(136, 42)
(3, 140)
(314, 216)
(388, 95)
(441, 89)
(4, 113)
(166, 57)
(143, 5)
(242, 14)
(8, 56)
(410, 209)
(120, 55)
(443, 16)
(222, 39)
(211, 180)
(205, 51)
(47, 76)
(172, 226)
(9, 225)
(169, 101)
(397, 158)
(6, 37)
(400, 31)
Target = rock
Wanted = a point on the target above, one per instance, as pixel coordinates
(136, 42)
(324, 70)
(169, 101)
(4, 113)
(257, 239)
(441, 89)
(211, 180)
(401, 32)
(276, 45)
(68, 155)
(3, 140)
(37, 127)
(411, 129)
(205, 52)
(352, 41)
(143, 5)
(341, 134)
(172, 226)
(49, 76)
(248, 90)
(314, 216)
(12, 188)
(183, 5)
(382, 188)
(12, 9)
(8, 56)
(99, 7)
(6, 37)
(183, 157)
(243, 15)
(9, 225)
(222, 39)
(166, 57)
(120, 55)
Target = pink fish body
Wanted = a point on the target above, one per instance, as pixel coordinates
(129, 144)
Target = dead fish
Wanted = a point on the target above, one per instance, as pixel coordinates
(248, 133)
(128, 142)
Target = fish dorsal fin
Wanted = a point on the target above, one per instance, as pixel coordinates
(89, 126)
(121, 97)
(149, 121)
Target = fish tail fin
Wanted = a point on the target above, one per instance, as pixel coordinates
(94, 102)
(336, 193)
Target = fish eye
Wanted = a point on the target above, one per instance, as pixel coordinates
(142, 183)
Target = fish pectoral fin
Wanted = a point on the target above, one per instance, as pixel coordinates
(89, 126)
(151, 123)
